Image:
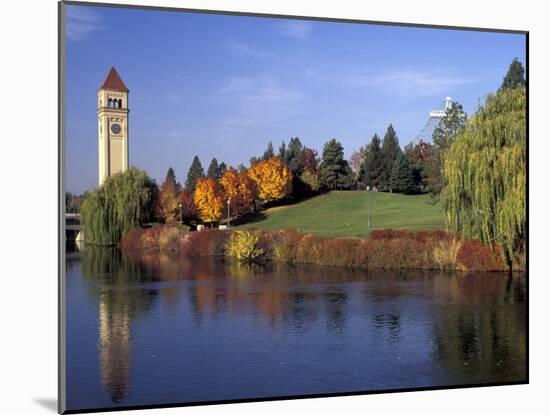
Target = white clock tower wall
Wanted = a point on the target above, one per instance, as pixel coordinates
(112, 126)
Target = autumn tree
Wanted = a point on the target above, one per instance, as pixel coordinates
(240, 189)
(195, 172)
(187, 206)
(209, 199)
(273, 179)
(308, 180)
(308, 160)
(168, 197)
(335, 172)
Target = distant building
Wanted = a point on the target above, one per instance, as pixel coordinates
(112, 115)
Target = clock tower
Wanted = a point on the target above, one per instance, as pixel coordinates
(112, 118)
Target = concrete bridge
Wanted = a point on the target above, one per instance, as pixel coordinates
(72, 226)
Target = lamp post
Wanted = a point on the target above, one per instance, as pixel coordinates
(228, 212)
(179, 204)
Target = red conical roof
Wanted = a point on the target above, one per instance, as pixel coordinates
(114, 82)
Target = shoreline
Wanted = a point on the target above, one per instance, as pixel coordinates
(384, 249)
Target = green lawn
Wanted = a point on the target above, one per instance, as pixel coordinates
(344, 213)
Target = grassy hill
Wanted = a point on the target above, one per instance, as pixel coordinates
(344, 213)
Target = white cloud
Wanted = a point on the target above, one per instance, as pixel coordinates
(245, 49)
(80, 22)
(416, 83)
(405, 83)
(264, 89)
(297, 29)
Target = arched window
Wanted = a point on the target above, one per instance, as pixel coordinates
(120, 103)
(110, 103)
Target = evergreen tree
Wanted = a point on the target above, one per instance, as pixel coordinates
(282, 151)
(223, 168)
(402, 176)
(390, 150)
(214, 169)
(335, 171)
(253, 160)
(268, 153)
(195, 172)
(292, 156)
(515, 76)
(443, 136)
(373, 164)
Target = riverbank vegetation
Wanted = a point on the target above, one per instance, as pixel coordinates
(384, 249)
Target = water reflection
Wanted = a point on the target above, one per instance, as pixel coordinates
(282, 330)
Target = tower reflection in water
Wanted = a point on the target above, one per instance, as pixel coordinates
(472, 326)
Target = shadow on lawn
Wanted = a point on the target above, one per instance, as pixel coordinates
(260, 215)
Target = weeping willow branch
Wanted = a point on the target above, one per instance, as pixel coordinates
(122, 202)
(485, 170)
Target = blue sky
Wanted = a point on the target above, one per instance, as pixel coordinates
(224, 86)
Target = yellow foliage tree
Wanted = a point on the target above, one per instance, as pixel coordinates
(240, 188)
(209, 199)
(272, 177)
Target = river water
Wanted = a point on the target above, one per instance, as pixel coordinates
(160, 329)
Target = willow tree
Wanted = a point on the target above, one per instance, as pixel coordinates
(485, 171)
(122, 202)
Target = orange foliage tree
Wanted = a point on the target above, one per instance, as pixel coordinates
(209, 199)
(240, 188)
(272, 178)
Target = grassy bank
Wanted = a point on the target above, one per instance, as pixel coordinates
(345, 213)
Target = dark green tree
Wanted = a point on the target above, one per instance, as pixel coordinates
(223, 168)
(390, 150)
(195, 171)
(373, 164)
(292, 156)
(335, 172)
(515, 76)
(253, 160)
(214, 169)
(268, 153)
(443, 136)
(402, 176)
(282, 151)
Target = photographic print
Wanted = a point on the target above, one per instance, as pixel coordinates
(267, 207)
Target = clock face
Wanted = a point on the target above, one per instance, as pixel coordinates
(115, 128)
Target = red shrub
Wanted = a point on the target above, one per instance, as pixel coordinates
(132, 240)
(208, 242)
(476, 256)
